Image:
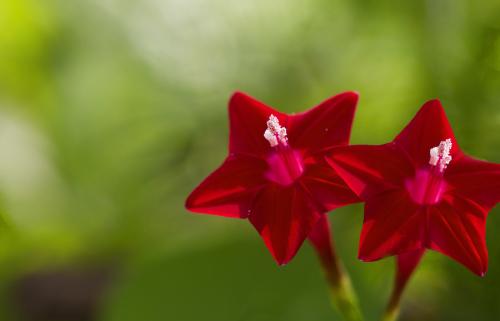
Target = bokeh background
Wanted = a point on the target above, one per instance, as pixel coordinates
(111, 112)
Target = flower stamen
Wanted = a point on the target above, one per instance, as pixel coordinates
(440, 155)
(275, 134)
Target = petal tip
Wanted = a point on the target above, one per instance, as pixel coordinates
(365, 256)
(189, 203)
(282, 259)
(366, 259)
(352, 93)
(362, 257)
(481, 273)
(191, 206)
(240, 97)
(281, 262)
(353, 96)
(433, 103)
(235, 96)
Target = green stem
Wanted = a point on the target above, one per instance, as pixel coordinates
(344, 298)
(406, 264)
(342, 293)
(391, 312)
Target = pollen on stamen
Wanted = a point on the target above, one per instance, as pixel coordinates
(271, 138)
(274, 133)
(440, 155)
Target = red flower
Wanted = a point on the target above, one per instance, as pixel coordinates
(422, 192)
(276, 174)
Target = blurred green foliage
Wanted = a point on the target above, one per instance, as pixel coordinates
(112, 111)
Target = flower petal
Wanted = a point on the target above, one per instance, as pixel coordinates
(476, 180)
(457, 229)
(326, 186)
(283, 217)
(248, 121)
(393, 224)
(426, 130)
(231, 189)
(371, 170)
(324, 126)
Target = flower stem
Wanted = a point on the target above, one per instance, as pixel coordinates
(342, 293)
(391, 312)
(345, 300)
(405, 265)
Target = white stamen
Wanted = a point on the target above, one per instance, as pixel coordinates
(271, 138)
(441, 154)
(434, 156)
(282, 135)
(274, 133)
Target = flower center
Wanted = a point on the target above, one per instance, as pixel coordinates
(285, 164)
(426, 188)
(428, 185)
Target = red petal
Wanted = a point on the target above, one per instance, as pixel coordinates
(457, 229)
(324, 126)
(230, 190)
(248, 121)
(476, 180)
(283, 217)
(326, 187)
(393, 224)
(371, 170)
(426, 130)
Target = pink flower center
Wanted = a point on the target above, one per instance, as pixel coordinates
(285, 164)
(426, 188)
(428, 185)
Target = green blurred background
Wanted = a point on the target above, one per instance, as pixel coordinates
(112, 111)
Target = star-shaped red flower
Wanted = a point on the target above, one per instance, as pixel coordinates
(276, 174)
(422, 192)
